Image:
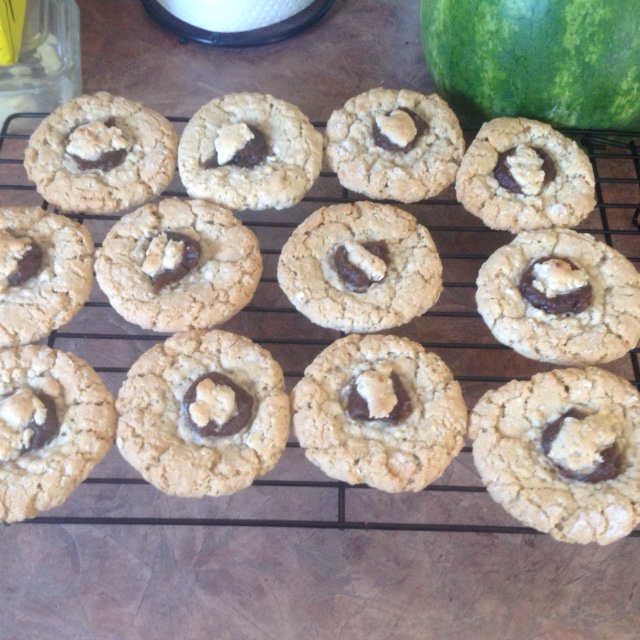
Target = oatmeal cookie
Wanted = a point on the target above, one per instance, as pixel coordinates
(57, 421)
(249, 151)
(178, 265)
(101, 153)
(522, 175)
(561, 296)
(398, 145)
(203, 414)
(379, 410)
(561, 453)
(46, 272)
(360, 267)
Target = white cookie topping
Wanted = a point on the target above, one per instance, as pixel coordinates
(20, 408)
(16, 412)
(373, 267)
(214, 402)
(526, 167)
(230, 139)
(50, 386)
(398, 127)
(556, 277)
(92, 140)
(162, 255)
(376, 387)
(12, 250)
(579, 442)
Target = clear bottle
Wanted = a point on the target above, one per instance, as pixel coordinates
(48, 71)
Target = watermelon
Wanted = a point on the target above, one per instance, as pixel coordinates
(571, 63)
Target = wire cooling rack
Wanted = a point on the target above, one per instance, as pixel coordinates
(295, 493)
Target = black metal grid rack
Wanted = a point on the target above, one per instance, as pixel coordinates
(295, 493)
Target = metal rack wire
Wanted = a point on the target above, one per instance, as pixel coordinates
(295, 494)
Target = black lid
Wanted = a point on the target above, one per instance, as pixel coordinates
(266, 35)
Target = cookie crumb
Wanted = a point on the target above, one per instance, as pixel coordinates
(376, 387)
(230, 139)
(214, 402)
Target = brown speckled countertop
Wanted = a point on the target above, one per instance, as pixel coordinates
(109, 581)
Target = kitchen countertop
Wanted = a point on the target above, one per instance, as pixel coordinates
(90, 581)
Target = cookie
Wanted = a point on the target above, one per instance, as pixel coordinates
(101, 153)
(360, 267)
(560, 296)
(561, 453)
(46, 273)
(203, 414)
(57, 420)
(522, 175)
(397, 145)
(249, 151)
(379, 410)
(178, 265)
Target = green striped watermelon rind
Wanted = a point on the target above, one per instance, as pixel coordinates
(571, 63)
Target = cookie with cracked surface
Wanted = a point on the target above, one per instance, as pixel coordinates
(178, 265)
(360, 267)
(561, 452)
(397, 145)
(379, 410)
(249, 151)
(46, 272)
(57, 421)
(203, 414)
(101, 153)
(561, 296)
(523, 175)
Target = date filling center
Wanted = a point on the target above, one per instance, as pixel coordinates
(378, 394)
(20, 260)
(169, 257)
(238, 144)
(215, 406)
(525, 170)
(583, 447)
(98, 145)
(361, 265)
(28, 421)
(399, 130)
(556, 285)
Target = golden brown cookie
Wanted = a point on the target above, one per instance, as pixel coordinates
(398, 145)
(46, 272)
(361, 267)
(561, 296)
(101, 153)
(521, 175)
(561, 453)
(178, 265)
(203, 414)
(379, 410)
(57, 420)
(249, 151)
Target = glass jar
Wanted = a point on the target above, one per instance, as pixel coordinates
(48, 70)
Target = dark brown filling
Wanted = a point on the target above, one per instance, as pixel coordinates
(252, 154)
(355, 278)
(48, 430)
(609, 468)
(237, 422)
(107, 161)
(573, 302)
(382, 141)
(28, 265)
(503, 175)
(190, 257)
(358, 409)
